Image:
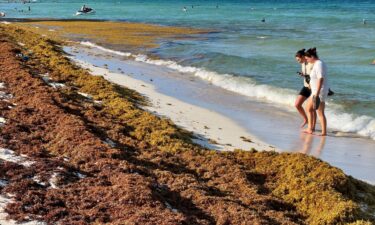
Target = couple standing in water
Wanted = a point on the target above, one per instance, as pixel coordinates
(315, 90)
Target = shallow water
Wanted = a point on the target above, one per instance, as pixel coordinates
(254, 58)
(278, 127)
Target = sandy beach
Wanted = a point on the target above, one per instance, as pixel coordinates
(279, 127)
(108, 147)
(211, 129)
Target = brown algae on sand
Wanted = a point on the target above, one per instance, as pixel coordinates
(321, 193)
(324, 193)
(132, 35)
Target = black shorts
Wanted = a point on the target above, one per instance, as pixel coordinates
(305, 91)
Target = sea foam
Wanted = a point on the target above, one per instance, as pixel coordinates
(339, 120)
(90, 44)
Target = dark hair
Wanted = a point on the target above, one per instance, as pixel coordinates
(300, 53)
(311, 53)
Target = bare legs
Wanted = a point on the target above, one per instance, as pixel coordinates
(311, 114)
(310, 110)
(322, 118)
(314, 120)
(298, 104)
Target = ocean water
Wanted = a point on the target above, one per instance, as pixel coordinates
(251, 57)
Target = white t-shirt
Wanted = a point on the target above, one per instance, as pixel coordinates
(319, 71)
(306, 70)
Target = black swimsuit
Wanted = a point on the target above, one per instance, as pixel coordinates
(305, 91)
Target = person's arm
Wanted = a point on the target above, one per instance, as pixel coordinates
(303, 70)
(320, 75)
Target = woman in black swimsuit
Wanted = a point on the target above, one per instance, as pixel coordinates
(305, 91)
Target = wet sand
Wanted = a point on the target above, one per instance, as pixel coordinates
(211, 129)
(278, 127)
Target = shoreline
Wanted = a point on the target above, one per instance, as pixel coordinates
(88, 137)
(344, 123)
(188, 116)
(272, 127)
(286, 138)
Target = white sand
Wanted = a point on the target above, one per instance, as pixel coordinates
(110, 142)
(206, 124)
(4, 95)
(48, 81)
(3, 183)
(85, 95)
(37, 180)
(53, 181)
(4, 200)
(10, 156)
(80, 175)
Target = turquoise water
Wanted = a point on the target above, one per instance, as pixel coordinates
(254, 58)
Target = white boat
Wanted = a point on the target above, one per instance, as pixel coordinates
(85, 11)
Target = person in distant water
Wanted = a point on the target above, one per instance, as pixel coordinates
(29, 8)
(217, 6)
(305, 92)
(83, 8)
(319, 90)
(263, 20)
(184, 9)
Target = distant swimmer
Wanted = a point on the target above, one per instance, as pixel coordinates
(184, 9)
(263, 20)
(364, 21)
(2, 14)
(29, 8)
